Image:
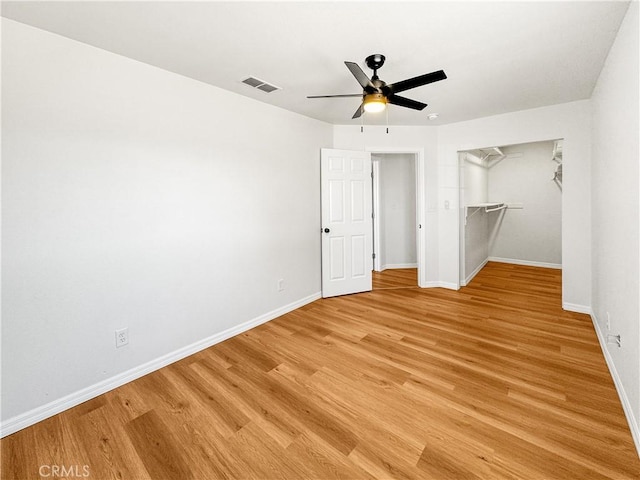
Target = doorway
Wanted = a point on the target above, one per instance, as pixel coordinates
(511, 206)
(395, 220)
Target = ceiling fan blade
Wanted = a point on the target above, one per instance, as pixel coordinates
(416, 81)
(335, 96)
(405, 102)
(361, 77)
(359, 111)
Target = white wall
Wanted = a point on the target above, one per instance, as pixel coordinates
(397, 214)
(476, 243)
(531, 234)
(473, 190)
(134, 197)
(474, 181)
(571, 121)
(422, 140)
(615, 207)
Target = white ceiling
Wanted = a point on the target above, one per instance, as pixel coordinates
(499, 56)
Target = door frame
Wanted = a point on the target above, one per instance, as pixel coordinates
(420, 203)
(375, 200)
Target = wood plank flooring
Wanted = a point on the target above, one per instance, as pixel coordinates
(495, 381)
(395, 278)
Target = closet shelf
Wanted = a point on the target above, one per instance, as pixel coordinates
(488, 207)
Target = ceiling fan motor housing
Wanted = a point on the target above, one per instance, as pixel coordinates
(375, 97)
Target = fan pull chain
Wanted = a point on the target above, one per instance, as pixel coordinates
(387, 109)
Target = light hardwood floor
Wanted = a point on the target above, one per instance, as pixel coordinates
(495, 381)
(396, 278)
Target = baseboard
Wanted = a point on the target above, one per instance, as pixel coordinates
(474, 273)
(391, 266)
(624, 399)
(38, 414)
(525, 262)
(572, 307)
(450, 286)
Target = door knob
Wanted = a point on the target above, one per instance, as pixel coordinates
(326, 230)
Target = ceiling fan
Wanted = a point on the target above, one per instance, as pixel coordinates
(377, 93)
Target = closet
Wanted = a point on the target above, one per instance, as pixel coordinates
(511, 206)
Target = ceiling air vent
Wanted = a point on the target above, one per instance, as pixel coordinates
(260, 84)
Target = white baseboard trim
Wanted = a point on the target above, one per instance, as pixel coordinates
(624, 399)
(391, 266)
(474, 273)
(436, 284)
(525, 262)
(38, 414)
(572, 307)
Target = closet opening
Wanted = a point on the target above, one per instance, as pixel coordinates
(511, 206)
(395, 220)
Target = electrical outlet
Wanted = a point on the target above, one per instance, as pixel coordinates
(608, 322)
(122, 337)
(280, 285)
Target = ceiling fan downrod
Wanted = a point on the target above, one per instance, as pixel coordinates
(374, 62)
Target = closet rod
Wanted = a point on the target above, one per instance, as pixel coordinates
(501, 207)
(488, 207)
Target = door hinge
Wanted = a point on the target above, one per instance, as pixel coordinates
(373, 255)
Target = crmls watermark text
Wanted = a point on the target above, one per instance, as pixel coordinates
(66, 471)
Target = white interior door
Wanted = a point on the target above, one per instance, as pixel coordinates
(347, 248)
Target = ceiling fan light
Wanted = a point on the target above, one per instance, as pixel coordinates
(374, 103)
